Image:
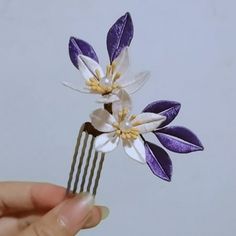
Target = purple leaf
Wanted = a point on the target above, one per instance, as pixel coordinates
(169, 109)
(119, 36)
(77, 47)
(159, 161)
(179, 139)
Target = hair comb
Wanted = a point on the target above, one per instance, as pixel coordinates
(115, 122)
(86, 157)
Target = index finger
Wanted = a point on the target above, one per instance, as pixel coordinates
(26, 196)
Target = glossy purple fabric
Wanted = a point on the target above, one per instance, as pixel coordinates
(77, 47)
(158, 160)
(119, 36)
(169, 109)
(179, 139)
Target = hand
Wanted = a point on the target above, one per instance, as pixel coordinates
(37, 209)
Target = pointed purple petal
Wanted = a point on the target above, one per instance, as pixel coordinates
(119, 36)
(159, 161)
(77, 47)
(169, 109)
(179, 139)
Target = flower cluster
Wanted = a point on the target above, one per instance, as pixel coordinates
(114, 87)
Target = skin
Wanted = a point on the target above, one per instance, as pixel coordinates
(40, 209)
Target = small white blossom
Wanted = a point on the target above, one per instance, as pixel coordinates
(121, 125)
(110, 83)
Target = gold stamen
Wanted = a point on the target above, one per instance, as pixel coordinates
(113, 67)
(100, 90)
(114, 86)
(97, 72)
(108, 89)
(118, 132)
(94, 80)
(134, 129)
(134, 133)
(125, 111)
(133, 136)
(93, 87)
(132, 117)
(136, 123)
(122, 114)
(117, 76)
(115, 125)
(108, 71)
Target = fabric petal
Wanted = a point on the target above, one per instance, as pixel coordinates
(158, 161)
(135, 84)
(122, 61)
(109, 98)
(179, 139)
(135, 149)
(148, 121)
(102, 120)
(124, 102)
(119, 36)
(106, 142)
(71, 86)
(169, 109)
(88, 66)
(79, 47)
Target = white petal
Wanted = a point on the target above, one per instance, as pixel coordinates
(136, 83)
(124, 102)
(148, 127)
(88, 66)
(106, 142)
(71, 86)
(136, 150)
(109, 98)
(148, 121)
(102, 120)
(122, 61)
(146, 117)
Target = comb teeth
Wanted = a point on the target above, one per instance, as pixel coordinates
(87, 163)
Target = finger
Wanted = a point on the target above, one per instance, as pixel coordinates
(23, 196)
(98, 213)
(26, 221)
(12, 225)
(64, 220)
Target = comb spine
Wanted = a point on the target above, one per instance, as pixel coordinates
(74, 159)
(80, 163)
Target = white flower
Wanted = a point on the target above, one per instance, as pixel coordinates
(121, 125)
(110, 83)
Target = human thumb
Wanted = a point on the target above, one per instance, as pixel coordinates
(64, 220)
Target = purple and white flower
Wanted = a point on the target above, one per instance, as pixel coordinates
(109, 83)
(121, 125)
(113, 87)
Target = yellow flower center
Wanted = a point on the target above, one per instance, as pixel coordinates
(125, 129)
(104, 85)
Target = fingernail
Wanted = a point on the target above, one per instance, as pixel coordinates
(75, 211)
(105, 212)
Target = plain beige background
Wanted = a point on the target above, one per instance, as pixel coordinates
(189, 46)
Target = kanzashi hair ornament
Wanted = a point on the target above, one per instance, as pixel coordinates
(115, 123)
